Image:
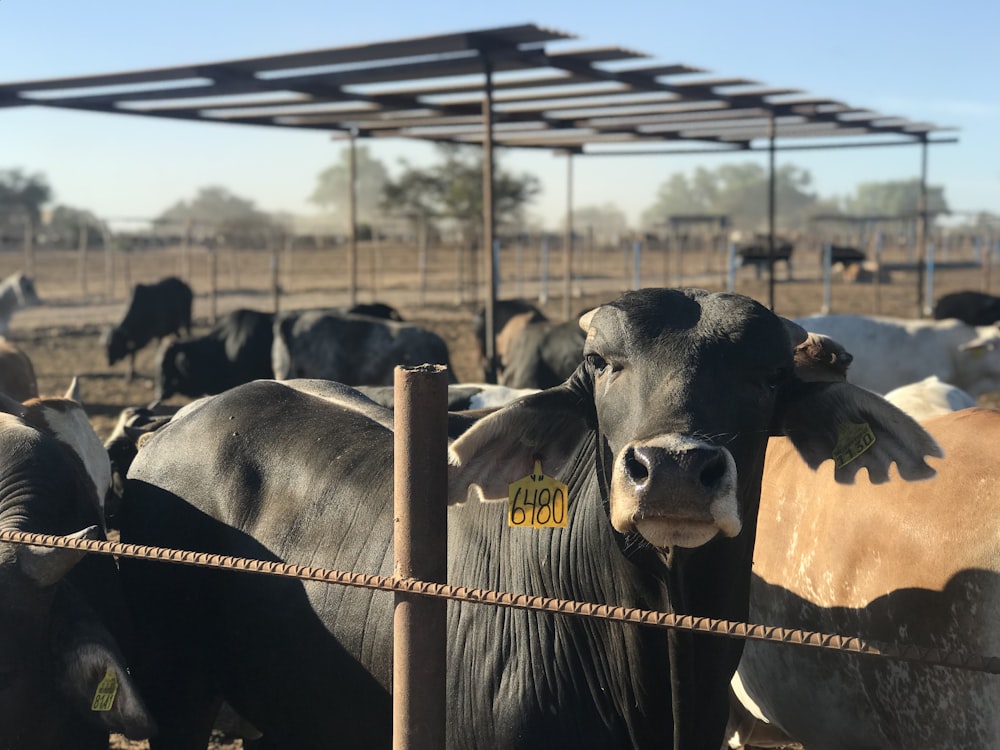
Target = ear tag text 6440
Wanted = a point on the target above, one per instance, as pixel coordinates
(537, 501)
(107, 689)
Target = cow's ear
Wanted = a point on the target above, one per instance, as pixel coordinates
(856, 428)
(502, 447)
(91, 671)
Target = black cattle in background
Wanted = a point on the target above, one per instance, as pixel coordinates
(236, 350)
(509, 317)
(154, 311)
(122, 446)
(543, 354)
(350, 349)
(375, 310)
(974, 308)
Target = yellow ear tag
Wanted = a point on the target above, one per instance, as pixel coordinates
(107, 689)
(977, 352)
(852, 441)
(537, 501)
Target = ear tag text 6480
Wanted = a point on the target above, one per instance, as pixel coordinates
(537, 501)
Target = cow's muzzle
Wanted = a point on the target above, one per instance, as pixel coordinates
(675, 491)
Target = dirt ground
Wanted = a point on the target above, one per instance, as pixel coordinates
(62, 337)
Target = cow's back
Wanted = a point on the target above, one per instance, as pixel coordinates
(351, 349)
(271, 433)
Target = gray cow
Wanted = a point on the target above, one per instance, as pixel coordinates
(16, 291)
(61, 624)
(351, 349)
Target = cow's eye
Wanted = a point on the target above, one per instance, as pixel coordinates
(599, 363)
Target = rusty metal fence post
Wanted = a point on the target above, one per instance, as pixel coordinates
(420, 539)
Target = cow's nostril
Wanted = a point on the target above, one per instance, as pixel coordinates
(637, 471)
(713, 472)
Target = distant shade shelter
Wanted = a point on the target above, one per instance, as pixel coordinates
(515, 86)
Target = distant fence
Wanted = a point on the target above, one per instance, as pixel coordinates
(530, 266)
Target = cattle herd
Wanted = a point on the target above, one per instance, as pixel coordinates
(830, 473)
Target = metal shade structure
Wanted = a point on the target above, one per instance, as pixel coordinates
(580, 99)
(515, 86)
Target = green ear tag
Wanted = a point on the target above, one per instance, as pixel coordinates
(107, 689)
(852, 441)
(537, 501)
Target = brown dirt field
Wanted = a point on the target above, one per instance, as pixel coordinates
(62, 337)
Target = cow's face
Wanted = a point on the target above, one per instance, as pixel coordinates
(685, 390)
(115, 344)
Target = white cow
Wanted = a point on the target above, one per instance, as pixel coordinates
(892, 352)
(16, 291)
(929, 397)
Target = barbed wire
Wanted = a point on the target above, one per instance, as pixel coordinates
(702, 625)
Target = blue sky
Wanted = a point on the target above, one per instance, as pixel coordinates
(927, 62)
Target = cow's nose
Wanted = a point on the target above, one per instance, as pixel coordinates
(704, 466)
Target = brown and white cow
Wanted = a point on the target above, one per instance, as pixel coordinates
(17, 374)
(899, 562)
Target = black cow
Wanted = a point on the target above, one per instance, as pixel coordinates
(351, 349)
(660, 436)
(63, 622)
(510, 316)
(974, 308)
(154, 311)
(543, 354)
(122, 445)
(375, 310)
(236, 350)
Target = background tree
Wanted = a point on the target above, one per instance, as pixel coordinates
(65, 224)
(414, 196)
(332, 187)
(893, 198)
(607, 222)
(452, 190)
(216, 211)
(21, 198)
(740, 192)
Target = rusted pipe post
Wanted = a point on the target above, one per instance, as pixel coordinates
(420, 538)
